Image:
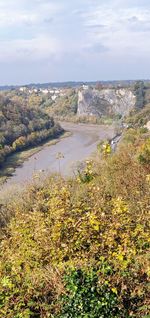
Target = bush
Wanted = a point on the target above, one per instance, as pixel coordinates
(86, 297)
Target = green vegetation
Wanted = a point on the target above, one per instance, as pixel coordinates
(139, 92)
(22, 126)
(80, 247)
(139, 118)
(85, 297)
(65, 106)
(141, 115)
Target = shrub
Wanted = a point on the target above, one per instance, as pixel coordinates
(86, 297)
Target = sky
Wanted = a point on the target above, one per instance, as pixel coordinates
(74, 40)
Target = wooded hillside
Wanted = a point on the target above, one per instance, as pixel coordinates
(22, 126)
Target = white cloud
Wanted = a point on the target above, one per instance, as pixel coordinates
(121, 29)
(41, 47)
(25, 24)
(18, 12)
(74, 37)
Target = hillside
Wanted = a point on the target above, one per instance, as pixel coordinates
(96, 103)
(22, 126)
(80, 247)
(100, 103)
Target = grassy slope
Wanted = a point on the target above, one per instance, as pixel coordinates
(86, 239)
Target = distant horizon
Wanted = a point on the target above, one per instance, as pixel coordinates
(74, 81)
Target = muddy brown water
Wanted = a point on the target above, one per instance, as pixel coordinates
(73, 149)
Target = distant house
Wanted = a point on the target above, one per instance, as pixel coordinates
(57, 92)
(22, 89)
(85, 87)
(45, 91)
(54, 97)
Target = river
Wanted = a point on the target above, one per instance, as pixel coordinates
(73, 149)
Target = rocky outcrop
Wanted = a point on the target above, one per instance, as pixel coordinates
(105, 102)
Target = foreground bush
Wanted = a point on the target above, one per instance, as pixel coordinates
(86, 297)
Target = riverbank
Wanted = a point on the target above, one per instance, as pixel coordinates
(17, 159)
(62, 156)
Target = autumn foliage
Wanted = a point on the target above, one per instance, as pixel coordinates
(22, 126)
(80, 248)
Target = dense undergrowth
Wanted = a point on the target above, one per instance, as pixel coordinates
(80, 248)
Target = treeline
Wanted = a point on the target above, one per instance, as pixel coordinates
(22, 126)
(142, 92)
(80, 248)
